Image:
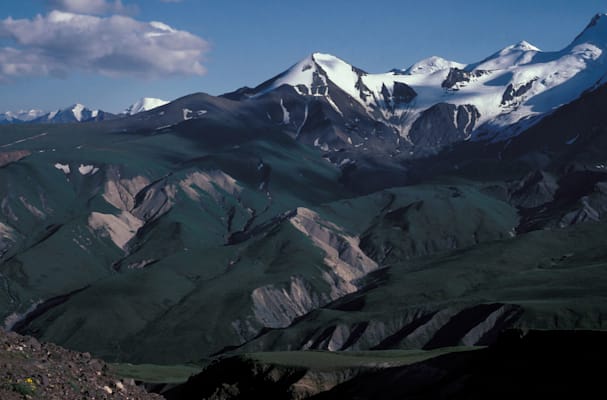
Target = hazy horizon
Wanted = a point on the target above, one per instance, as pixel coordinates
(106, 54)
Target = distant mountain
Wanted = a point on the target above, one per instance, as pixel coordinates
(144, 104)
(436, 102)
(74, 113)
(10, 117)
(77, 113)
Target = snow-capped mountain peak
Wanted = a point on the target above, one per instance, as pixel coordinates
(20, 116)
(520, 53)
(595, 32)
(517, 84)
(144, 104)
(77, 110)
(309, 76)
(523, 45)
(74, 113)
(432, 64)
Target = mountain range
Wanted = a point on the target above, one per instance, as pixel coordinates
(76, 113)
(327, 208)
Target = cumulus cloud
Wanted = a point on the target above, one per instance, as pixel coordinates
(61, 43)
(95, 7)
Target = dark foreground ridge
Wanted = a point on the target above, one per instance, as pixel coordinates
(33, 370)
(537, 364)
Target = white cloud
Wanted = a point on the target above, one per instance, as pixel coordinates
(95, 7)
(170, 1)
(61, 43)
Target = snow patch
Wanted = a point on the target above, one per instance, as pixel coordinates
(77, 111)
(63, 167)
(286, 116)
(302, 122)
(145, 104)
(87, 169)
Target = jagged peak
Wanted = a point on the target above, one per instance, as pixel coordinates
(523, 45)
(595, 32)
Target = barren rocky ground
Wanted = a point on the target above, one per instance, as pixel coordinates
(33, 370)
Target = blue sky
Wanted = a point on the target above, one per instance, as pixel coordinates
(218, 46)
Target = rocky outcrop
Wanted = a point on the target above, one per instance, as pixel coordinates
(512, 94)
(120, 192)
(33, 370)
(8, 236)
(119, 228)
(535, 189)
(592, 207)
(7, 157)
(459, 77)
(401, 94)
(278, 305)
(142, 201)
(212, 183)
(443, 124)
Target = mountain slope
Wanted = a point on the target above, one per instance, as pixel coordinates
(144, 104)
(327, 208)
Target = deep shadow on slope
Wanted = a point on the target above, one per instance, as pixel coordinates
(539, 364)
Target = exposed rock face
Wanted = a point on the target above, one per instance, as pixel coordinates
(459, 77)
(401, 94)
(142, 201)
(592, 207)
(211, 183)
(139, 202)
(277, 306)
(121, 192)
(8, 237)
(511, 93)
(120, 228)
(535, 189)
(443, 124)
(345, 259)
(7, 157)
